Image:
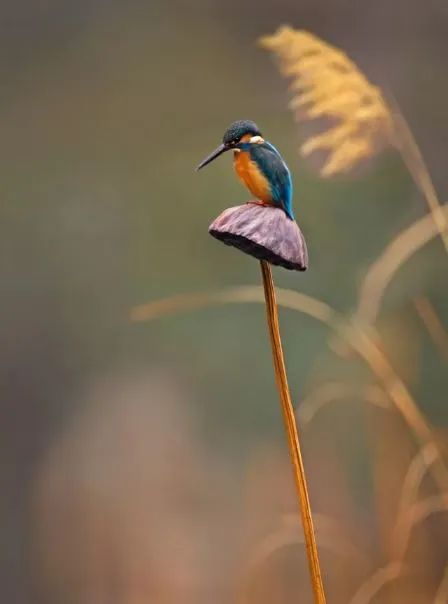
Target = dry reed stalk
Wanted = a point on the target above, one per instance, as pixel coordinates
(418, 467)
(370, 588)
(413, 158)
(433, 324)
(442, 591)
(402, 398)
(233, 295)
(330, 392)
(292, 433)
(419, 512)
(396, 254)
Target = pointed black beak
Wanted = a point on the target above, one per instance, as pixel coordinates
(216, 153)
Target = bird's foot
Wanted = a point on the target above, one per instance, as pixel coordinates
(258, 202)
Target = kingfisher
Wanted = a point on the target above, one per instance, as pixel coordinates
(257, 164)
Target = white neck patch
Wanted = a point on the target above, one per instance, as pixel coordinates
(256, 139)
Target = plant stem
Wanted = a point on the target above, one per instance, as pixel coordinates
(413, 158)
(433, 324)
(292, 434)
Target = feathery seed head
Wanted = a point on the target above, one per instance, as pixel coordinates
(326, 83)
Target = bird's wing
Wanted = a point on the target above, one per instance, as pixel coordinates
(277, 173)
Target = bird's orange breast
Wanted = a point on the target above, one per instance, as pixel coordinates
(251, 176)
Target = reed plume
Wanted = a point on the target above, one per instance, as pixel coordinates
(326, 83)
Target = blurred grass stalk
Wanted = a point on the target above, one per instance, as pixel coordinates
(415, 163)
(292, 433)
(433, 324)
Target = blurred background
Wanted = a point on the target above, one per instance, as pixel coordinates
(146, 462)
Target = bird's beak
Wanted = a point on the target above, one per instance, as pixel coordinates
(216, 153)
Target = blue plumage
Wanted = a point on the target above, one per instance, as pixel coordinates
(274, 168)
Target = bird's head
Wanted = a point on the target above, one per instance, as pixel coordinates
(237, 134)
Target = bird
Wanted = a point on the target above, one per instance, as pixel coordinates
(258, 164)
